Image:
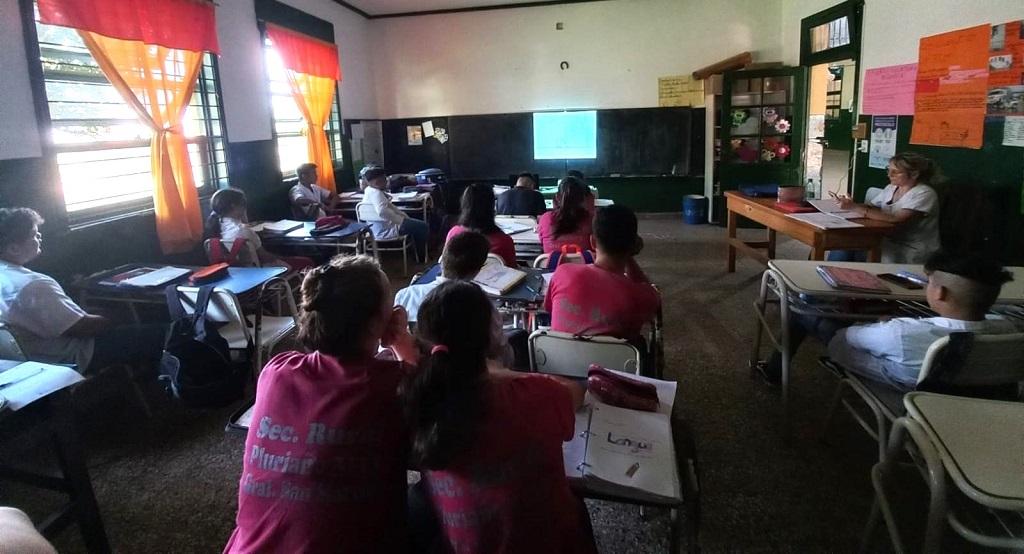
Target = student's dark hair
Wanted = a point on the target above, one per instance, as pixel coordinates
(927, 171)
(221, 203)
(577, 174)
(985, 274)
(464, 255)
(615, 230)
(478, 208)
(308, 166)
(370, 172)
(570, 211)
(339, 300)
(16, 225)
(444, 401)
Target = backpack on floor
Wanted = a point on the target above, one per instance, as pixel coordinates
(196, 364)
(555, 258)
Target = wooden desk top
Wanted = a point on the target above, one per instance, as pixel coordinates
(870, 226)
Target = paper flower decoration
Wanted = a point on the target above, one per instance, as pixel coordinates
(738, 117)
(769, 115)
(736, 143)
(782, 126)
(767, 155)
(782, 151)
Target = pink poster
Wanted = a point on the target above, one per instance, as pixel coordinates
(889, 90)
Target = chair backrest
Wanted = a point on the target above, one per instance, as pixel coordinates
(543, 260)
(224, 307)
(247, 256)
(871, 194)
(9, 347)
(493, 259)
(974, 360)
(570, 356)
(366, 213)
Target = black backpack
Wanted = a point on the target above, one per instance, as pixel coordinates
(196, 364)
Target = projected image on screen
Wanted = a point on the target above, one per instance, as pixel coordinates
(565, 135)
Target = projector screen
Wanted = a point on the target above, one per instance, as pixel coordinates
(565, 135)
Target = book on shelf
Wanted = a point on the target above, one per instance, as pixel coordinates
(146, 277)
(497, 279)
(626, 453)
(855, 280)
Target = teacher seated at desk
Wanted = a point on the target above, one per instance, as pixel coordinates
(49, 326)
(910, 204)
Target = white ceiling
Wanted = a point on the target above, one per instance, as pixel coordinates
(380, 7)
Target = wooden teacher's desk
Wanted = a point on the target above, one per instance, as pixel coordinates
(763, 210)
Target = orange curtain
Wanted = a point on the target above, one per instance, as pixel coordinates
(314, 96)
(313, 69)
(157, 82)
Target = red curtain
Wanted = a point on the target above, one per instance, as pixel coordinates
(180, 24)
(305, 54)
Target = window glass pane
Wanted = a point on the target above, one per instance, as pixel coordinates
(103, 153)
(833, 34)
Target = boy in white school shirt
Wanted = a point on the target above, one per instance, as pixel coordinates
(49, 326)
(309, 200)
(392, 221)
(961, 289)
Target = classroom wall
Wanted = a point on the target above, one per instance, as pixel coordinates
(503, 61)
(19, 137)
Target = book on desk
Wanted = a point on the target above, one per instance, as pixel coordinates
(146, 277)
(277, 227)
(854, 280)
(497, 279)
(626, 453)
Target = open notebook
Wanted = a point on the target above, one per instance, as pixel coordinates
(830, 206)
(626, 453)
(497, 279)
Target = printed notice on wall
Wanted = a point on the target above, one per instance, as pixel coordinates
(428, 129)
(883, 141)
(1013, 131)
(1006, 70)
(414, 134)
(890, 90)
(952, 88)
(680, 90)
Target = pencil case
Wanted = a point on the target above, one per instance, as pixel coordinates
(623, 392)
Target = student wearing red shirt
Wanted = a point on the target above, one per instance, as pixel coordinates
(612, 296)
(325, 456)
(478, 215)
(489, 441)
(569, 222)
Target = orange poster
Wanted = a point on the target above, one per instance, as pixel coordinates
(1006, 70)
(952, 87)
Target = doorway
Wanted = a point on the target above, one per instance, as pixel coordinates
(829, 49)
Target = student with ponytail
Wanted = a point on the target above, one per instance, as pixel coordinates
(488, 440)
(229, 222)
(570, 222)
(325, 457)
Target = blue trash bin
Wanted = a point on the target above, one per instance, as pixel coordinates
(695, 209)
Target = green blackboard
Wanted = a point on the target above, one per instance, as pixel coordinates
(981, 194)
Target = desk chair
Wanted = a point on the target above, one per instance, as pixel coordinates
(256, 334)
(248, 257)
(366, 213)
(969, 444)
(571, 355)
(567, 258)
(992, 366)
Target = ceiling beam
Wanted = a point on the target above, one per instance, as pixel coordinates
(536, 4)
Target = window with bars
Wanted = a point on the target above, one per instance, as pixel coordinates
(289, 127)
(101, 147)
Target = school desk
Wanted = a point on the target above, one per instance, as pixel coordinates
(239, 281)
(527, 243)
(355, 235)
(798, 289)
(56, 414)
(762, 210)
(420, 203)
(523, 302)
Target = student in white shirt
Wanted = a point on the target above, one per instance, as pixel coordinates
(909, 203)
(961, 289)
(229, 221)
(392, 221)
(49, 326)
(309, 200)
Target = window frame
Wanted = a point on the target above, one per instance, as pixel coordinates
(215, 171)
(852, 10)
(335, 124)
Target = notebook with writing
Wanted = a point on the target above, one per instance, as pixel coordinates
(497, 279)
(856, 280)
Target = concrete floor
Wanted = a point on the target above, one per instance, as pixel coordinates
(169, 484)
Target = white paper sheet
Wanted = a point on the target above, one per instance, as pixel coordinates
(633, 449)
(27, 382)
(830, 207)
(1013, 130)
(404, 196)
(513, 227)
(824, 221)
(156, 278)
(428, 129)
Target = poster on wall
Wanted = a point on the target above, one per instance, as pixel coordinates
(889, 90)
(680, 90)
(1013, 131)
(883, 141)
(952, 88)
(1006, 70)
(414, 134)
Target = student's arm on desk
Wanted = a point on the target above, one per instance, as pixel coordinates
(875, 213)
(89, 325)
(878, 339)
